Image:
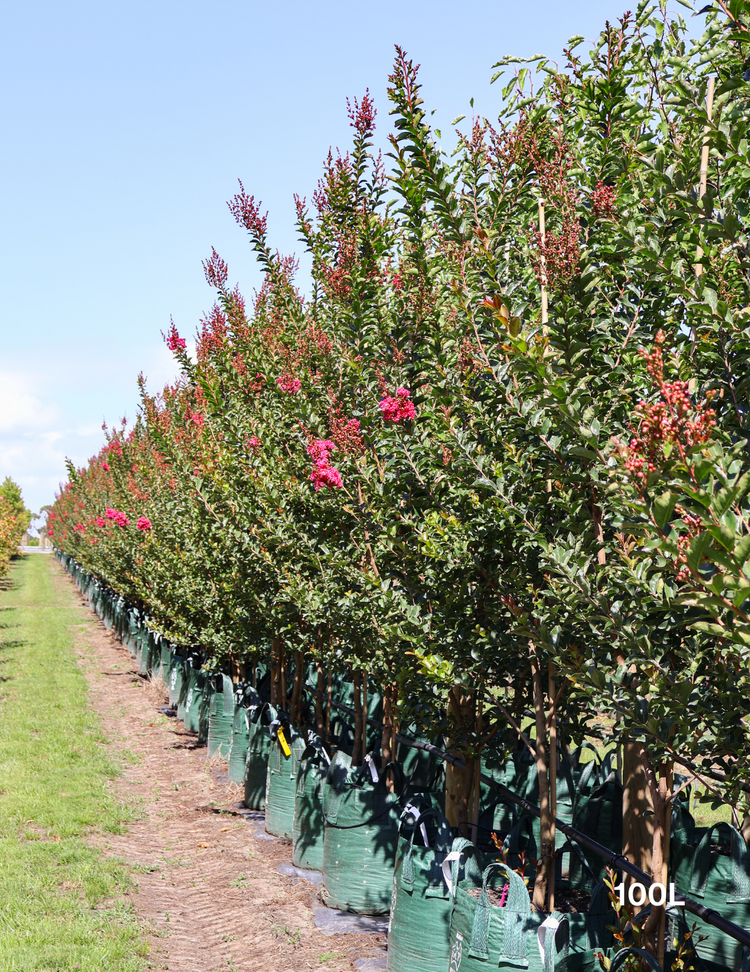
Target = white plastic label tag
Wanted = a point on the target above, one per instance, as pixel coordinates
(373, 768)
(541, 934)
(447, 875)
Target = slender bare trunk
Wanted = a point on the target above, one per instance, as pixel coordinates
(660, 788)
(328, 707)
(459, 781)
(276, 665)
(357, 748)
(637, 813)
(364, 716)
(296, 709)
(320, 726)
(552, 782)
(546, 853)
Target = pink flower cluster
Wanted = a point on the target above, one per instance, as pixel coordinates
(289, 384)
(100, 521)
(399, 408)
(105, 466)
(253, 442)
(323, 473)
(143, 523)
(118, 516)
(80, 527)
(174, 341)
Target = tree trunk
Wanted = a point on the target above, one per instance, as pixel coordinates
(320, 726)
(637, 814)
(357, 748)
(388, 746)
(364, 716)
(296, 708)
(660, 789)
(547, 850)
(459, 782)
(276, 686)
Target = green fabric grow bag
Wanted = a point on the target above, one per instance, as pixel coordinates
(239, 744)
(597, 813)
(259, 745)
(309, 826)
(220, 716)
(484, 935)
(184, 688)
(281, 780)
(361, 833)
(717, 880)
(166, 657)
(507, 935)
(240, 738)
(419, 932)
(196, 682)
(176, 673)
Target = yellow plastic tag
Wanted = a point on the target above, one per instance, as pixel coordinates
(284, 744)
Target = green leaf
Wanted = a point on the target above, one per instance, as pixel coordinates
(742, 549)
(664, 507)
(696, 549)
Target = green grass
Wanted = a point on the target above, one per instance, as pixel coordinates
(61, 901)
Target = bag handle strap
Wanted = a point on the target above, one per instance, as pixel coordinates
(624, 953)
(514, 932)
(407, 864)
(740, 890)
(452, 861)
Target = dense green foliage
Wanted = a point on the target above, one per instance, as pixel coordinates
(420, 473)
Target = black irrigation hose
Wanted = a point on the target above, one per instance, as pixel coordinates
(616, 861)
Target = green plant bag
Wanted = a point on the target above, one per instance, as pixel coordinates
(597, 813)
(240, 739)
(361, 833)
(507, 936)
(419, 930)
(196, 683)
(309, 825)
(176, 673)
(220, 716)
(719, 881)
(166, 655)
(186, 668)
(259, 745)
(281, 779)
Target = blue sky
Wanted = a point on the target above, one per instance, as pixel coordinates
(126, 127)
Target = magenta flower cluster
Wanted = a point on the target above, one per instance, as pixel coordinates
(105, 466)
(323, 474)
(143, 523)
(289, 384)
(118, 516)
(398, 408)
(174, 341)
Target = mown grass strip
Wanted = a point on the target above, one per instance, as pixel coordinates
(60, 900)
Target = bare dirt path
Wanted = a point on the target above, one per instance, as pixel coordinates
(207, 888)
